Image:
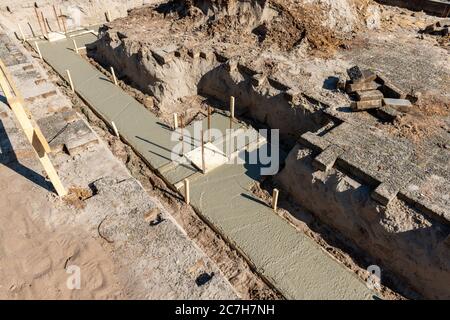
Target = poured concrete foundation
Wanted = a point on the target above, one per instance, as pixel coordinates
(288, 259)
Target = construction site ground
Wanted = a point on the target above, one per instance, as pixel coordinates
(357, 189)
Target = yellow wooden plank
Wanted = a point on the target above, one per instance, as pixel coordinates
(33, 134)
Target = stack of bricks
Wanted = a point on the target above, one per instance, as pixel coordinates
(365, 89)
(373, 91)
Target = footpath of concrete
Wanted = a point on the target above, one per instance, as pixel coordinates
(292, 262)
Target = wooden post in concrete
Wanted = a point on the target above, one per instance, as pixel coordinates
(175, 121)
(209, 124)
(39, 21)
(203, 154)
(182, 135)
(187, 196)
(21, 33)
(45, 25)
(116, 132)
(30, 128)
(231, 112)
(38, 50)
(275, 199)
(57, 18)
(63, 20)
(75, 47)
(70, 81)
(114, 76)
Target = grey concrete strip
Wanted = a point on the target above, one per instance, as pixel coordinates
(138, 126)
(293, 263)
(297, 266)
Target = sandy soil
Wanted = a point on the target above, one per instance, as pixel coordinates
(36, 259)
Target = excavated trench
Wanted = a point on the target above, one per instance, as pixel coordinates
(399, 237)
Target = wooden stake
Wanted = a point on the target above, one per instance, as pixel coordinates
(45, 25)
(209, 124)
(116, 132)
(114, 76)
(31, 29)
(203, 154)
(32, 131)
(75, 48)
(38, 50)
(108, 16)
(187, 196)
(231, 112)
(21, 32)
(57, 18)
(63, 20)
(182, 135)
(175, 121)
(70, 81)
(39, 21)
(275, 199)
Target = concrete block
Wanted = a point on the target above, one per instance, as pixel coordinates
(397, 104)
(387, 113)
(384, 193)
(390, 90)
(325, 160)
(61, 130)
(369, 95)
(362, 86)
(366, 105)
(314, 142)
(358, 75)
(75, 146)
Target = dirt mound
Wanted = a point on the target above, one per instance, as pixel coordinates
(281, 23)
